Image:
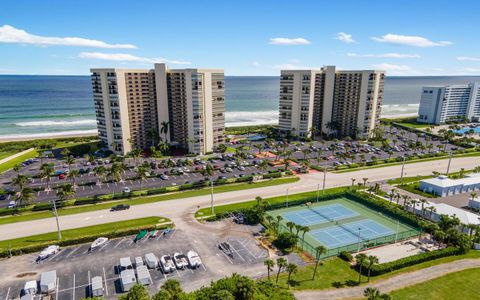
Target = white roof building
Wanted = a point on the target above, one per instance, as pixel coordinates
(464, 216)
(444, 186)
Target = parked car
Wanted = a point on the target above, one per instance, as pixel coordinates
(120, 207)
(126, 190)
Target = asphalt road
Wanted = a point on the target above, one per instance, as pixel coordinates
(181, 208)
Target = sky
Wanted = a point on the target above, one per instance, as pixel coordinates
(406, 38)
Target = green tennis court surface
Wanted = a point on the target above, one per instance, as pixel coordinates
(343, 224)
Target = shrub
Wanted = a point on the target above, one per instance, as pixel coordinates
(346, 256)
(272, 175)
(253, 215)
(285, 241)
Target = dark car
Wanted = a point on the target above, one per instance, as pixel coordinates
(120, 207)
(3, 196)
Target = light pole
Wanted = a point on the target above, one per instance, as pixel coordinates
(403, 166)
(56, 218)
(449, 161)
(318, 190)
(286, 200)
(324, 177)
(358, 243)
(211, 195)
(396, 232)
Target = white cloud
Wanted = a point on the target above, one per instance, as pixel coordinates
(345, 37)
(392, 69)
(470, 70)
(124, 57)
(385, 55)
(468, 58)
(410, 40)
(289, 41)
(256, 64)
(12, 35)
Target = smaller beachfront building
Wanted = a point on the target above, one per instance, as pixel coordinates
(474, 203)
(439, 209)
(444, 186)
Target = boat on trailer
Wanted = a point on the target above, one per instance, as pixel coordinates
(193, 259)
(98, 243)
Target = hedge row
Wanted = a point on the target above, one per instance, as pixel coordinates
(76, 241)
(411, 260)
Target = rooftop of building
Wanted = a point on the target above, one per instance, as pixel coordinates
(444, 181)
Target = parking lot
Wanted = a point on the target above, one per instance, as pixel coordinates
(76, 266)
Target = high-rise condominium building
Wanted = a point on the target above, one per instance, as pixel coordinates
(328, 101)
(439, 104)
(132, 107)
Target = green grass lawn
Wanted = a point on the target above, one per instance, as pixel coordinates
(470, 154)
(9, 164)
(334, 272)
(236, 206)
(90, 231)
(143, 200)
(415, 188)
(458, 285)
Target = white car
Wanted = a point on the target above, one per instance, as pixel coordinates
(49, 251)
(12, 204)
(126, 189)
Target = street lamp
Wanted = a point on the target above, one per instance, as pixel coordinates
(318, 190)
(358, 243)
(286, 200)
(403, 166)
(449, 161)
(56, 218)
(211, 196)
(324, 178)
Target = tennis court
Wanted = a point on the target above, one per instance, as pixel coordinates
(342, 224)
(350, 233)
(320, 214)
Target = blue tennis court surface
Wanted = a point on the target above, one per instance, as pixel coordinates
(347, 234)
(319, 214)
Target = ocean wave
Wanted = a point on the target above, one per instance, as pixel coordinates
(400, 109)
(250, 118)
(56, 123)
(48, 134)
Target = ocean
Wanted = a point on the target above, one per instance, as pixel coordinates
(38, 106)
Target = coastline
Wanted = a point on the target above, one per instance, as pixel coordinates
(55, 135)
(45, 136)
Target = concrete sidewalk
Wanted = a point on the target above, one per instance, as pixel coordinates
(9, 158)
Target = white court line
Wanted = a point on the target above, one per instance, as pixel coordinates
(105, 278)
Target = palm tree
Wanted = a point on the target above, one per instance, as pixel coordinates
(100, 172)
(371, 293)
(72, 175)
(290, 225)
(291, 268)
(372, 260)
(423, 202)
(361, 260)
(135, 153)
(281, 264)
(298, 228)
(164, 129)
(70, 160)
(46, 171)
(20, 181)
(305, 229)
(141, 175)
(365, 179)
(269, 263)
(25, 196)
(473, 195)
(17, 168)
(263, 166)
(66, 191)
(115, 174)
(65, 152)
(318, 252)
(353, 181)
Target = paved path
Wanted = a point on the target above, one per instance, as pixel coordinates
(393, 283)
(175, 209)
(9, 158)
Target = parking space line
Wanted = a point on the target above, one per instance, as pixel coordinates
(105, 278)
(8, 292)
(74, 250)
(89, 284)
(121, 240)
(228, 258)
(238, 253)
(108, 242)
(58, 285)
